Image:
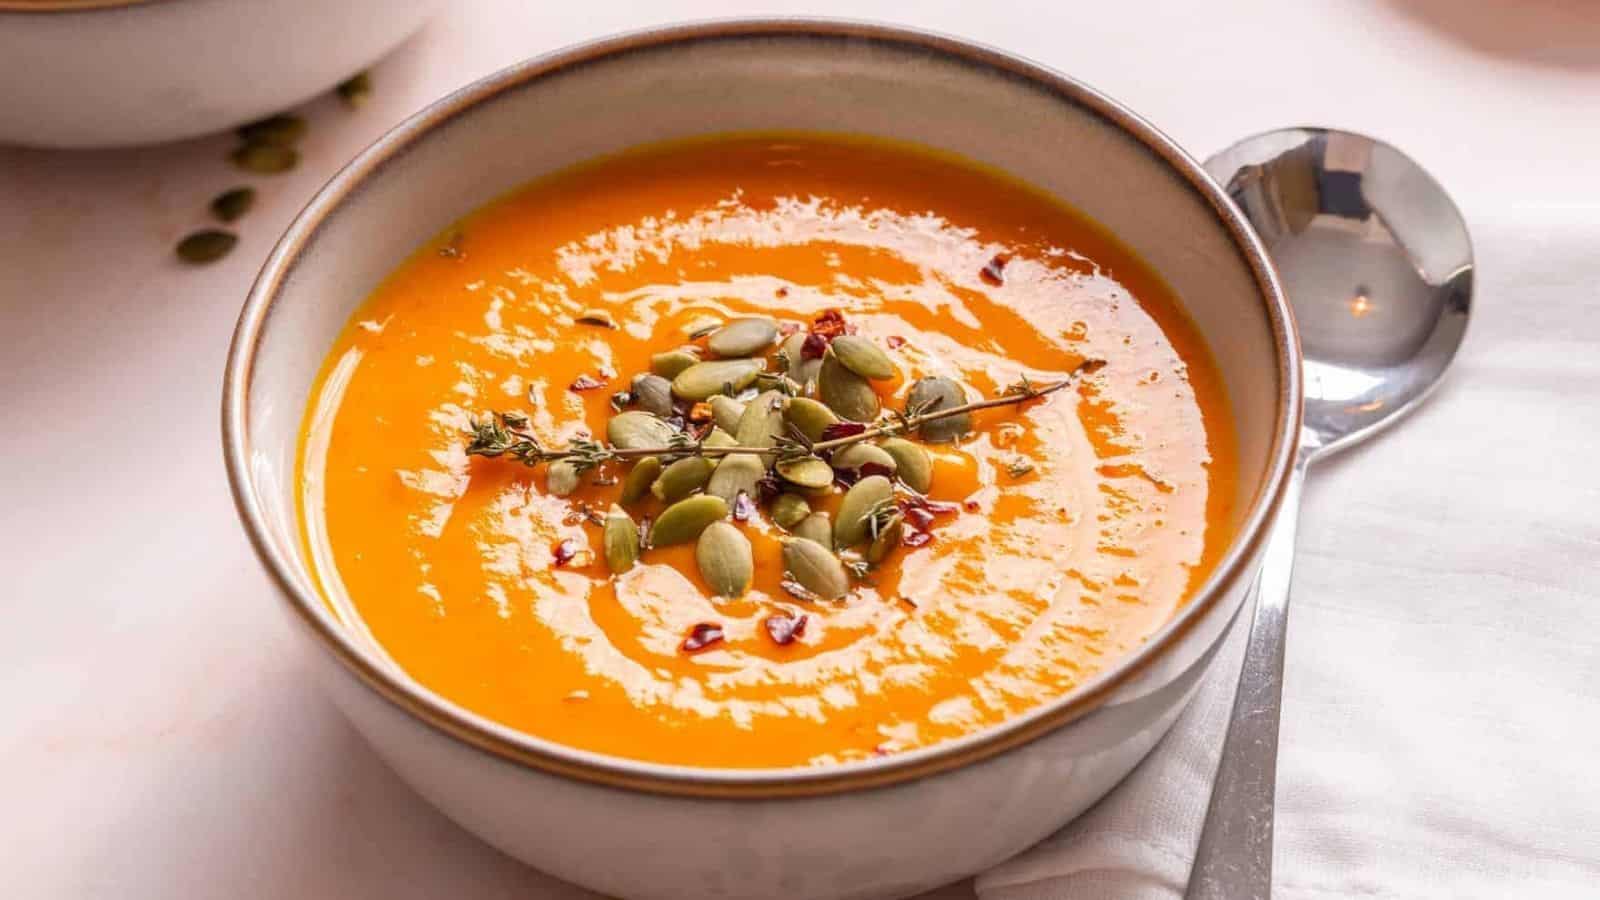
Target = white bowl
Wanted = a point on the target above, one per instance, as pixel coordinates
(878, 828)
(98, 73)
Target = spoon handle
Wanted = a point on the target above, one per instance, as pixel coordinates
(1234, 860)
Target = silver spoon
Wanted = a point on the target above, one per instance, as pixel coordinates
(1376, 262)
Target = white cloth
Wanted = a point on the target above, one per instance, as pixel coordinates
(161, 739)
(1442, 696)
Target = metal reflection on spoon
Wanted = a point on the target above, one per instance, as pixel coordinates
(1376, 262)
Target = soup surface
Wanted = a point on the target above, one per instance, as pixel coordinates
(1065, 529)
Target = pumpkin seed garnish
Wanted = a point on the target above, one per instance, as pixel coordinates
(620, 538)
(561, 478)
(723, 376)
(856, 456)
(597, 317)
(815, 568)
(206, 246)
(913, 465)
(861, 356)
(699, 328)
(809, 416)
(283, 130)
(726, 411)
(725, 559)
(811, 472)
(734, 473)
(653, 394)
(670, 365)
(265, 159)
(743, 337)
(1018, 467)
(789, 510)
(816, 527)
(682, 478)
(643, 474)
(887, 538)
(846, 393)
(933, 394)
(762, 421)
(636, 428)
(230, 205)
(683, 521)
(856, 509)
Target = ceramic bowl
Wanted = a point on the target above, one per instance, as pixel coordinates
(99, 73)
(881, 828)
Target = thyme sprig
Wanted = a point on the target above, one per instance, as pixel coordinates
(506, 434)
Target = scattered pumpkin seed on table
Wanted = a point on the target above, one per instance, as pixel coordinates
(283, 130)
(206, 246)
(356, 89)
(265, 159)
(230, 205)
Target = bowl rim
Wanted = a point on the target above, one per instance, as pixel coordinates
(553, 758)
(44, 7)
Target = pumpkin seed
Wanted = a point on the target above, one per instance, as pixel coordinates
(816, 527)
(913, 465)
(809, 416)
(858, 505)
(721, 376)
(789, 510)
(682, 478)
(671, 363)
(815, 568)
(265, 159)
(683, 521)
(206, 246)
(846, 393)
(932, 394)
(561, 478)
(230, 205)
(653, 394)
(620, 539)
(725, 559)
(743, 337)
(807, 471)
(597, 317)
(283, 130)
(734, 473)
(697, 328)
(762, 421)
(719, 438)
(643, 474)
(725, 411)
(888, 538)
(355, 90)
(636, 429)
(861, 356)
(853, 457)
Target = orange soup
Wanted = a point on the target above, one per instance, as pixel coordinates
(1006, 556)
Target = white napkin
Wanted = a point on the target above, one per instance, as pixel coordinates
(1441, 730)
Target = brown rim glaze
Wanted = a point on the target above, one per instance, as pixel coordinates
(550, 757)
(67, 6)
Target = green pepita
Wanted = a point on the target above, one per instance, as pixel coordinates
(725, 559)
(815, 568)
(861, 356)
(206, 246)
(721, 376)
(636, 429)
(719, 438)
(671, 363)
(230, 205)
(913, 465)
(809, 416)
(789, 510)
(283, 130)
(643, 474)
(859, 503)
(888, 538)
(699, 327)
(734, 473)
(811, 472)
(653, 394)
(596, 317)
(762, 421)
(725, 411)
(853, 457)
(682, 478)
(816, 527)
(932, 394)
(621, 541)
(683, 521)
(846, 393)
(743, 337)
(561, 478)
(265, 159)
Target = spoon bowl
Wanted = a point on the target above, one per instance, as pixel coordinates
(1377, 266)
(1375, 260)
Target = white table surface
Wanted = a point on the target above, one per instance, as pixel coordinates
(162, 738)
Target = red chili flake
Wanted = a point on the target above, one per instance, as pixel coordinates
(973, 506)
(585, 383)
(914, 538)
(815, 345)
(783, 292)
(935, 507)
(564, 550)
(895, 341)
(769, 487)
(702, 636)
(918, 518)
(867, 470)
(788, 328)
(841, 430)
(994, 271)
(743, 507)
(830, 324)
(784, 629)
